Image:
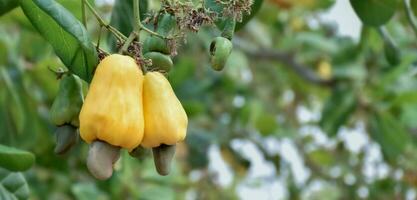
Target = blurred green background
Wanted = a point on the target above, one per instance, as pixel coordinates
(301, 111)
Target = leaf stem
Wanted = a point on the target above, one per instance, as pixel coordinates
(99, 37)
(385, 36)
(83, 13)
(136, 16)
(129, 40)
(138, 26)
(100, 20)
(410, 16)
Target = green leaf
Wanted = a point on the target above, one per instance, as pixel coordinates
(198, 143)
(337, 109)
(7, 5)
(122, 15)
(14, 104)
(374, 12)
(65, 33)
(15, 159)
(413, 4)
(13, 185)
(86, 191)
(390, 134)
(157, 192)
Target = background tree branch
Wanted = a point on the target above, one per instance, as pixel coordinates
(287, 59)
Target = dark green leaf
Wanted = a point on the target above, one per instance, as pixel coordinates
(15, 159)
(413, 4)
(390, 134)
(122, 17)
(337, 109)
(65, 33)
(198, 143)
(13, 185)
(374, 12)
(7, 5)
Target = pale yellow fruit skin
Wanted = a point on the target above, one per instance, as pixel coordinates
(113, 111)
(165, 118)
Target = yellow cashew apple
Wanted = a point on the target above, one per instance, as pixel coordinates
(165, 118)
(113, 111)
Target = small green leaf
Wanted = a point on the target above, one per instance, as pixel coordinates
(13, 185)
(7, 5)
(15, 159)
(15, 105)
(65, 33)
(337, 109)
(374, 12)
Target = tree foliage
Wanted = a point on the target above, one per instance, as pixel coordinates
(291, 82)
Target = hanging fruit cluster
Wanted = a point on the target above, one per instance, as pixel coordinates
(125, 109)
(130, 103)
(156, 48)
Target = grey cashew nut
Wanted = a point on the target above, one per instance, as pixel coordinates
(162, 157)
(100, 160)
(65, 137)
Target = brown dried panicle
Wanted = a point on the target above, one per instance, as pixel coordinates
(195, 18)
(236, 8)
(101, 54)
(135, 50)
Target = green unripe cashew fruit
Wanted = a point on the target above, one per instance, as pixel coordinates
(65, 110)
(160, 62)
(220, 49)
(67, 105)
(166, 24)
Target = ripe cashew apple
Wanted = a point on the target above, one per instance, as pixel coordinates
(165, 118)
(113, 111)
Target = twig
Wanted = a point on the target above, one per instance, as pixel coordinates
(100, 20)
(385, 35)
(410, 16)
(288, 60)
(129, 40)
(99, 38)
(136, 17)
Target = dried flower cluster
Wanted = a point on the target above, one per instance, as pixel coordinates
(235, 8)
